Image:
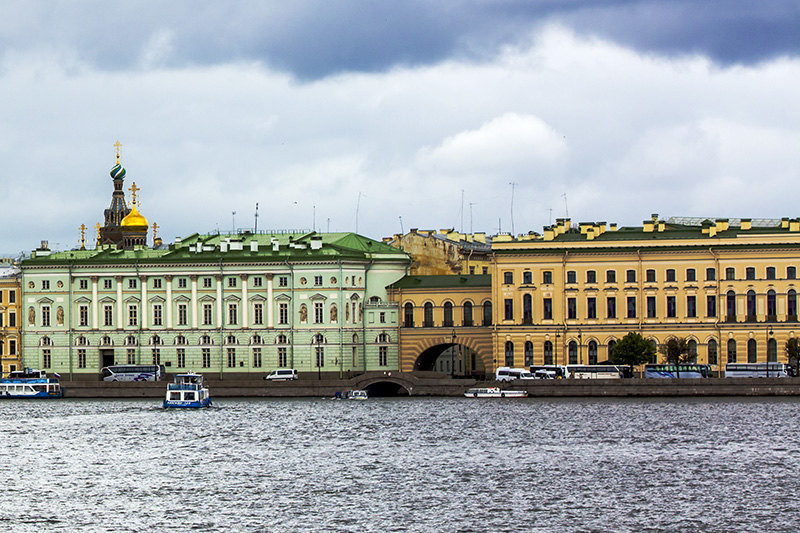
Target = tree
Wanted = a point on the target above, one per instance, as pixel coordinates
(793, 353)
(675, 351)
(632, 350)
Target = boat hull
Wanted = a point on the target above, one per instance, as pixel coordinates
(180, 404)
(493, 392)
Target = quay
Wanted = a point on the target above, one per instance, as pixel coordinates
(434, 384)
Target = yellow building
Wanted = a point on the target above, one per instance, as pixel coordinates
(445, 252)
(728, 286)
(9, 319)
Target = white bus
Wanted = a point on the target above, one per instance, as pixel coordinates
(549, 371)
(132, 373)
(595, 371)
(505, 373)
(757, 370)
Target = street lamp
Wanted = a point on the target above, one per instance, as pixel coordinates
(769, 336)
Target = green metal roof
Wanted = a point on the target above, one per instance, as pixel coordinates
(442, 282)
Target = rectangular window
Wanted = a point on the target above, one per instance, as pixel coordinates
(770, 272)
(547, 309)
(791, 273)
(46, 284)
(730, 273)
(12, 320)
(547, 277)
(650, 276)
(711, 274)
(131, 355)
(83, 284)
(180, 354)
(108, 315)
(45, 315)
(691, 306)
(319, 310)
(206, 354)
(182, 314)
(258, 313)
(630, 276)
(591, 308)
(132, 283)
(509, 309)
(233, 313)
(711, 305)
(631, 306)
(156, 356)
(81, 357)
(157, 315)
(383, 355)
(611, 276)
(133, 315)
(107, 284)
(256, 357)
(671, 307)
(1, 320)
(572, 276)
(231, 282)
(283, 281)
(231, 352)
(208, 314)
(611, 307)
(508, 278)
(283, 313)
(317, 281)
(382, 317)
(157, 283)
(527, 277)
(750, 273)
(182, 282)
(320, 354)
(691, 274)
(206, 283)
(12, 347)
(591, 276)
(83, 315)
(12, 295)
(46, 362)
(670, 274)
(282, 357)
(355, 355)
(572, 308)
(484, 270)
(651, 307)
(472, 270)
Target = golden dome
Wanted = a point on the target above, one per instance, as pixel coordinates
(134, 220)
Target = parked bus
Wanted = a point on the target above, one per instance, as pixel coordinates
(596, 371)
(549, 371)
(132, 373)
(683, 370)
(505, 373)
(757, 370)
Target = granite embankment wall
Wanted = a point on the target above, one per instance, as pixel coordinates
(429, 384)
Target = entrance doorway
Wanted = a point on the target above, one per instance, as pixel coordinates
(107, 356)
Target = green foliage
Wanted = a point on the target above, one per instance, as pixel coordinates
(632, 350)
(793, 352)
(675, 351)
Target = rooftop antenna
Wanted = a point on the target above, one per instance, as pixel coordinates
(358, 205)
(255, 230)
(513, 186)
(314, 218)
(402, 231)
(233, 219)
(566, 208)
(470, 216)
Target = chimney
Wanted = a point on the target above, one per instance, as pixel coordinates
(746, 224)
(647, 226)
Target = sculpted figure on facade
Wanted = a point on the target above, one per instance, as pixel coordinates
(60, 316)
(334, 313)
(303, 313)
(31, 316)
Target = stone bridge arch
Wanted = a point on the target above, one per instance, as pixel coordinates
(420, 348)
(386, 384)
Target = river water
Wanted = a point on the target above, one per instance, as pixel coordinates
(412, 464)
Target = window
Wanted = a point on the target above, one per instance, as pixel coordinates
(527, 309)
(772, 310)
(772, 351)
(572, 276)
(206, 356)
(83, 315)
(256, 357)
(157, 315)
(46, 362)
(317, 281)
(231, 353)
(547, 277)
(131, 356)
(46, 284)
(156, 356)
(487, 313)
(611, 276)
(631, 301)
(157, 283)
(283, 281)
(133, 315)
(181, 357)
(670, 274)
(484, 270)
(283, 313)
(12, 296)
(711, 305)
(231, 281)
(508, 278)
(548, 352)
(12, 347)
(651, 307)
(731, 351)
(750, 273)
(712, 352)
(791, 304)
(611, 307)
(731, 306)
(12, 320)
(573, 352)
(691, 274)
(572, 308)
(408, 315)
(282, 357)
(45, 315)
(751, 306)
(383, 355)
(467, 314)
(650, 276)
(233, 313)
(791, 272)
(206, 283)
(108, 315)
(770, 272)
(591, 307)
(208, 314)
(509, 309)
(472, 270)
(528, 353)
(592, 352)
(591, 276)
(319, 352)
(730, 273)
(547, 309)
(132, 283)
(691, 306)
(428, 315)
(527, 277)
(257, 282)
(83, 284)
(752, 351)
(319, 311)
(671, 307)
(182, 283)
(82, 358)
(258, 313)
(107, 284)
(630, 276)
(711, 274)
(182, 314)
(382, 317)
(448, 315)
(509, 353)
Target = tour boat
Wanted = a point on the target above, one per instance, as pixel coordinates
(187, 391)
(30, 384)
(356, 395)
(495, 392)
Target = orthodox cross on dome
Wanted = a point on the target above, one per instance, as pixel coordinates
(97, 228)
(117, 145)
(155, 229)
(133, 188)
(83, 235)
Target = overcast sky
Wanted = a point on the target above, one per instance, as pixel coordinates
(378, 116)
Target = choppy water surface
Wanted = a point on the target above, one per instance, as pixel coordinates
(402, 465)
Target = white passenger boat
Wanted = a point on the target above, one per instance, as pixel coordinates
(495, 392)
(356, 395)
(187, 391)
(30, 384)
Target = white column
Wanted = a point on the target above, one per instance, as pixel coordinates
(143, 281)
(95, 303)
(120, 314)
(193, 303)
(269, 301)
(245, 303)
(220, 303)
(169, 302)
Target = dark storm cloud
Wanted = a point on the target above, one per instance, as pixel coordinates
(314, 39)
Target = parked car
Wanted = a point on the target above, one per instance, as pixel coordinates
(282, 374)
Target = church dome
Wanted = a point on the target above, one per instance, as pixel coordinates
(134, 220)
(118, 172)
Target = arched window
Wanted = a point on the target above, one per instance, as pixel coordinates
(611, 345)
(772, 308)
(281, 339)
(467, 314)
(487, 313)
(654, 357)
(106, 341)
(130, 340)
(592, 352)
(155, 340)
(509, 353)
(772, 351)
(355, 338)
(448, 315)
(573, 352)
(731, 301)
(256, 339)
(180, 339)
(231, 339)
(408, 315)
(692, 345)
(428, 315)
(81, 341)
(318, 339)
(206, 339)
(751, 306)
(528, 353)
(548, 353)
(527, 309)
(791, 304)
(731, 351)
(383, 338)
(752, 351)
(46, 341)
(712, 352)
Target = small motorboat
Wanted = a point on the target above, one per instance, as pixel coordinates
(187, 391)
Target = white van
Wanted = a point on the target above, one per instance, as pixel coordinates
(505, 373)
(282, 374)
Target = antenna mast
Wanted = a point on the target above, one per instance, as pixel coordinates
(256, 224)
(513, 185)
